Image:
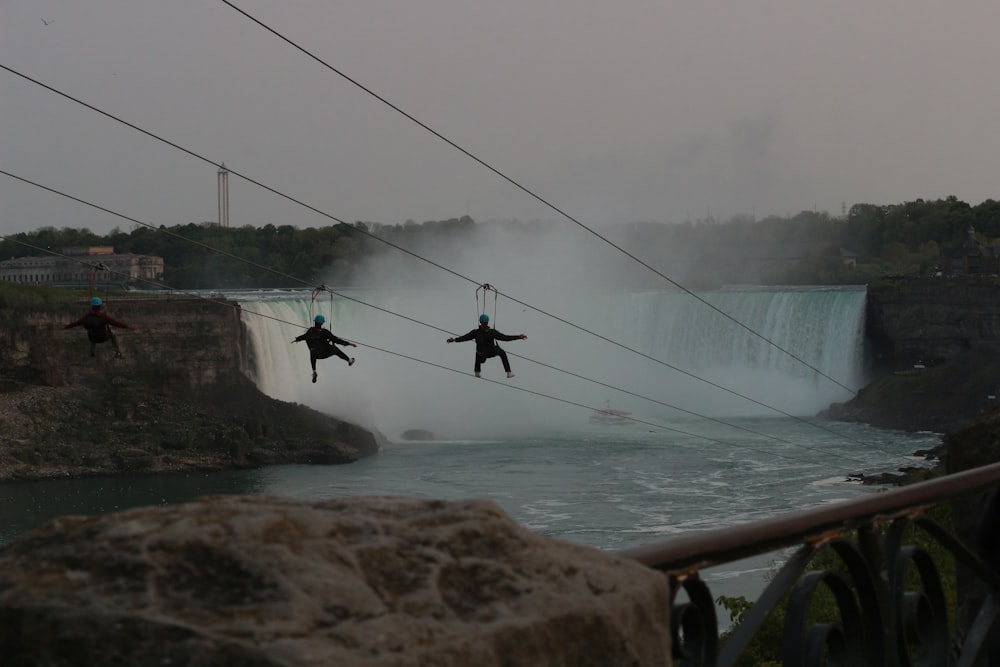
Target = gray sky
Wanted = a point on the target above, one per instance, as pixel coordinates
(614, 111)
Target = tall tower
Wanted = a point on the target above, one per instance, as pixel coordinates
(223, 196)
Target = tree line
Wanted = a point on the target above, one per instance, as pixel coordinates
(811, 247)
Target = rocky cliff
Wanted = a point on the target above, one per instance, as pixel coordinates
(931, 321)
(177, 399)
(936, 354)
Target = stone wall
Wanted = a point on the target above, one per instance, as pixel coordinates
(184, 344)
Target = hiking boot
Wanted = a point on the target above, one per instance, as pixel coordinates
(477, 373)
(351, 362)
(509, 374)
(314, 377)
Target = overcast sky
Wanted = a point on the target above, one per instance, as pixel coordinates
(661, 110)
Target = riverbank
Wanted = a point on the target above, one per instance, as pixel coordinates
(939, 398)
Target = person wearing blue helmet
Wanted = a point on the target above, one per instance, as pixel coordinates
(486, 344)
(322, 344)
(98, 325)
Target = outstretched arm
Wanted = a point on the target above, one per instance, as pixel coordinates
(507, 337)
(115, 323)
(462, 339)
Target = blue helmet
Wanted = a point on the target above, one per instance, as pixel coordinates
(319, 319)
(96, 301)
(484, 318)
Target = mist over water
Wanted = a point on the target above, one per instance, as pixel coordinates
(686, 352)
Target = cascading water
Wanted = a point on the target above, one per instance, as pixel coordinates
(688, 351)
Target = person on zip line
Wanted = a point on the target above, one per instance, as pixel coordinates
(322, 344)
(98, 325)
(486, 344)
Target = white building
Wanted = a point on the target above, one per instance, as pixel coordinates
(78, 266)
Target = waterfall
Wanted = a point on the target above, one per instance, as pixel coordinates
(687, 351)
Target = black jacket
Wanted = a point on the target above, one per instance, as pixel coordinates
(486, 339)
(318, 338)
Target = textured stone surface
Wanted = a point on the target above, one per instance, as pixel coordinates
(931, 321)
(935, 351)
(372, 581)
(180, 399)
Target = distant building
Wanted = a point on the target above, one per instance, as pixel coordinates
(848, 257)
(75, 266)
(970, 259)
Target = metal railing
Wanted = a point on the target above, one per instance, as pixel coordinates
(888, 596)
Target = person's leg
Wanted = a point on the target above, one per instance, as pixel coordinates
(95, 337)
(340, 353)
(479, 363)
(503, 360)
(114, 343)
(312, 363)
(320, 353)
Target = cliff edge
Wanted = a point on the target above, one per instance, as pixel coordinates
(935, 349)
(177, 399)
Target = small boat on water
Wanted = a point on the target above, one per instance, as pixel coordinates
(610, 416)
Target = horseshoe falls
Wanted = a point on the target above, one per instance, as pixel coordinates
(666, 357)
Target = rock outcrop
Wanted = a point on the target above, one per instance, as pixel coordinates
(936, 354)
(177, 400)
(930, 321)
(374, 581)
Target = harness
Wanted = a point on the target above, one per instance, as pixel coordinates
(486, 288)
(312, 304)
(100, 266)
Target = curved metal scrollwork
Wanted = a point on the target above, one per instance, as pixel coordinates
(905, 624)
(921, 615)
(694, 626)
(881, 603)
(855, 637)
(823, 642)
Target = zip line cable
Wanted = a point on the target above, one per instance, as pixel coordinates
(710, 383)
(398, 247)
(531, 193)
(350, 298)
(379, 239)
(200, 244)
(246, 178)
(659, 427)
(363, 303)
